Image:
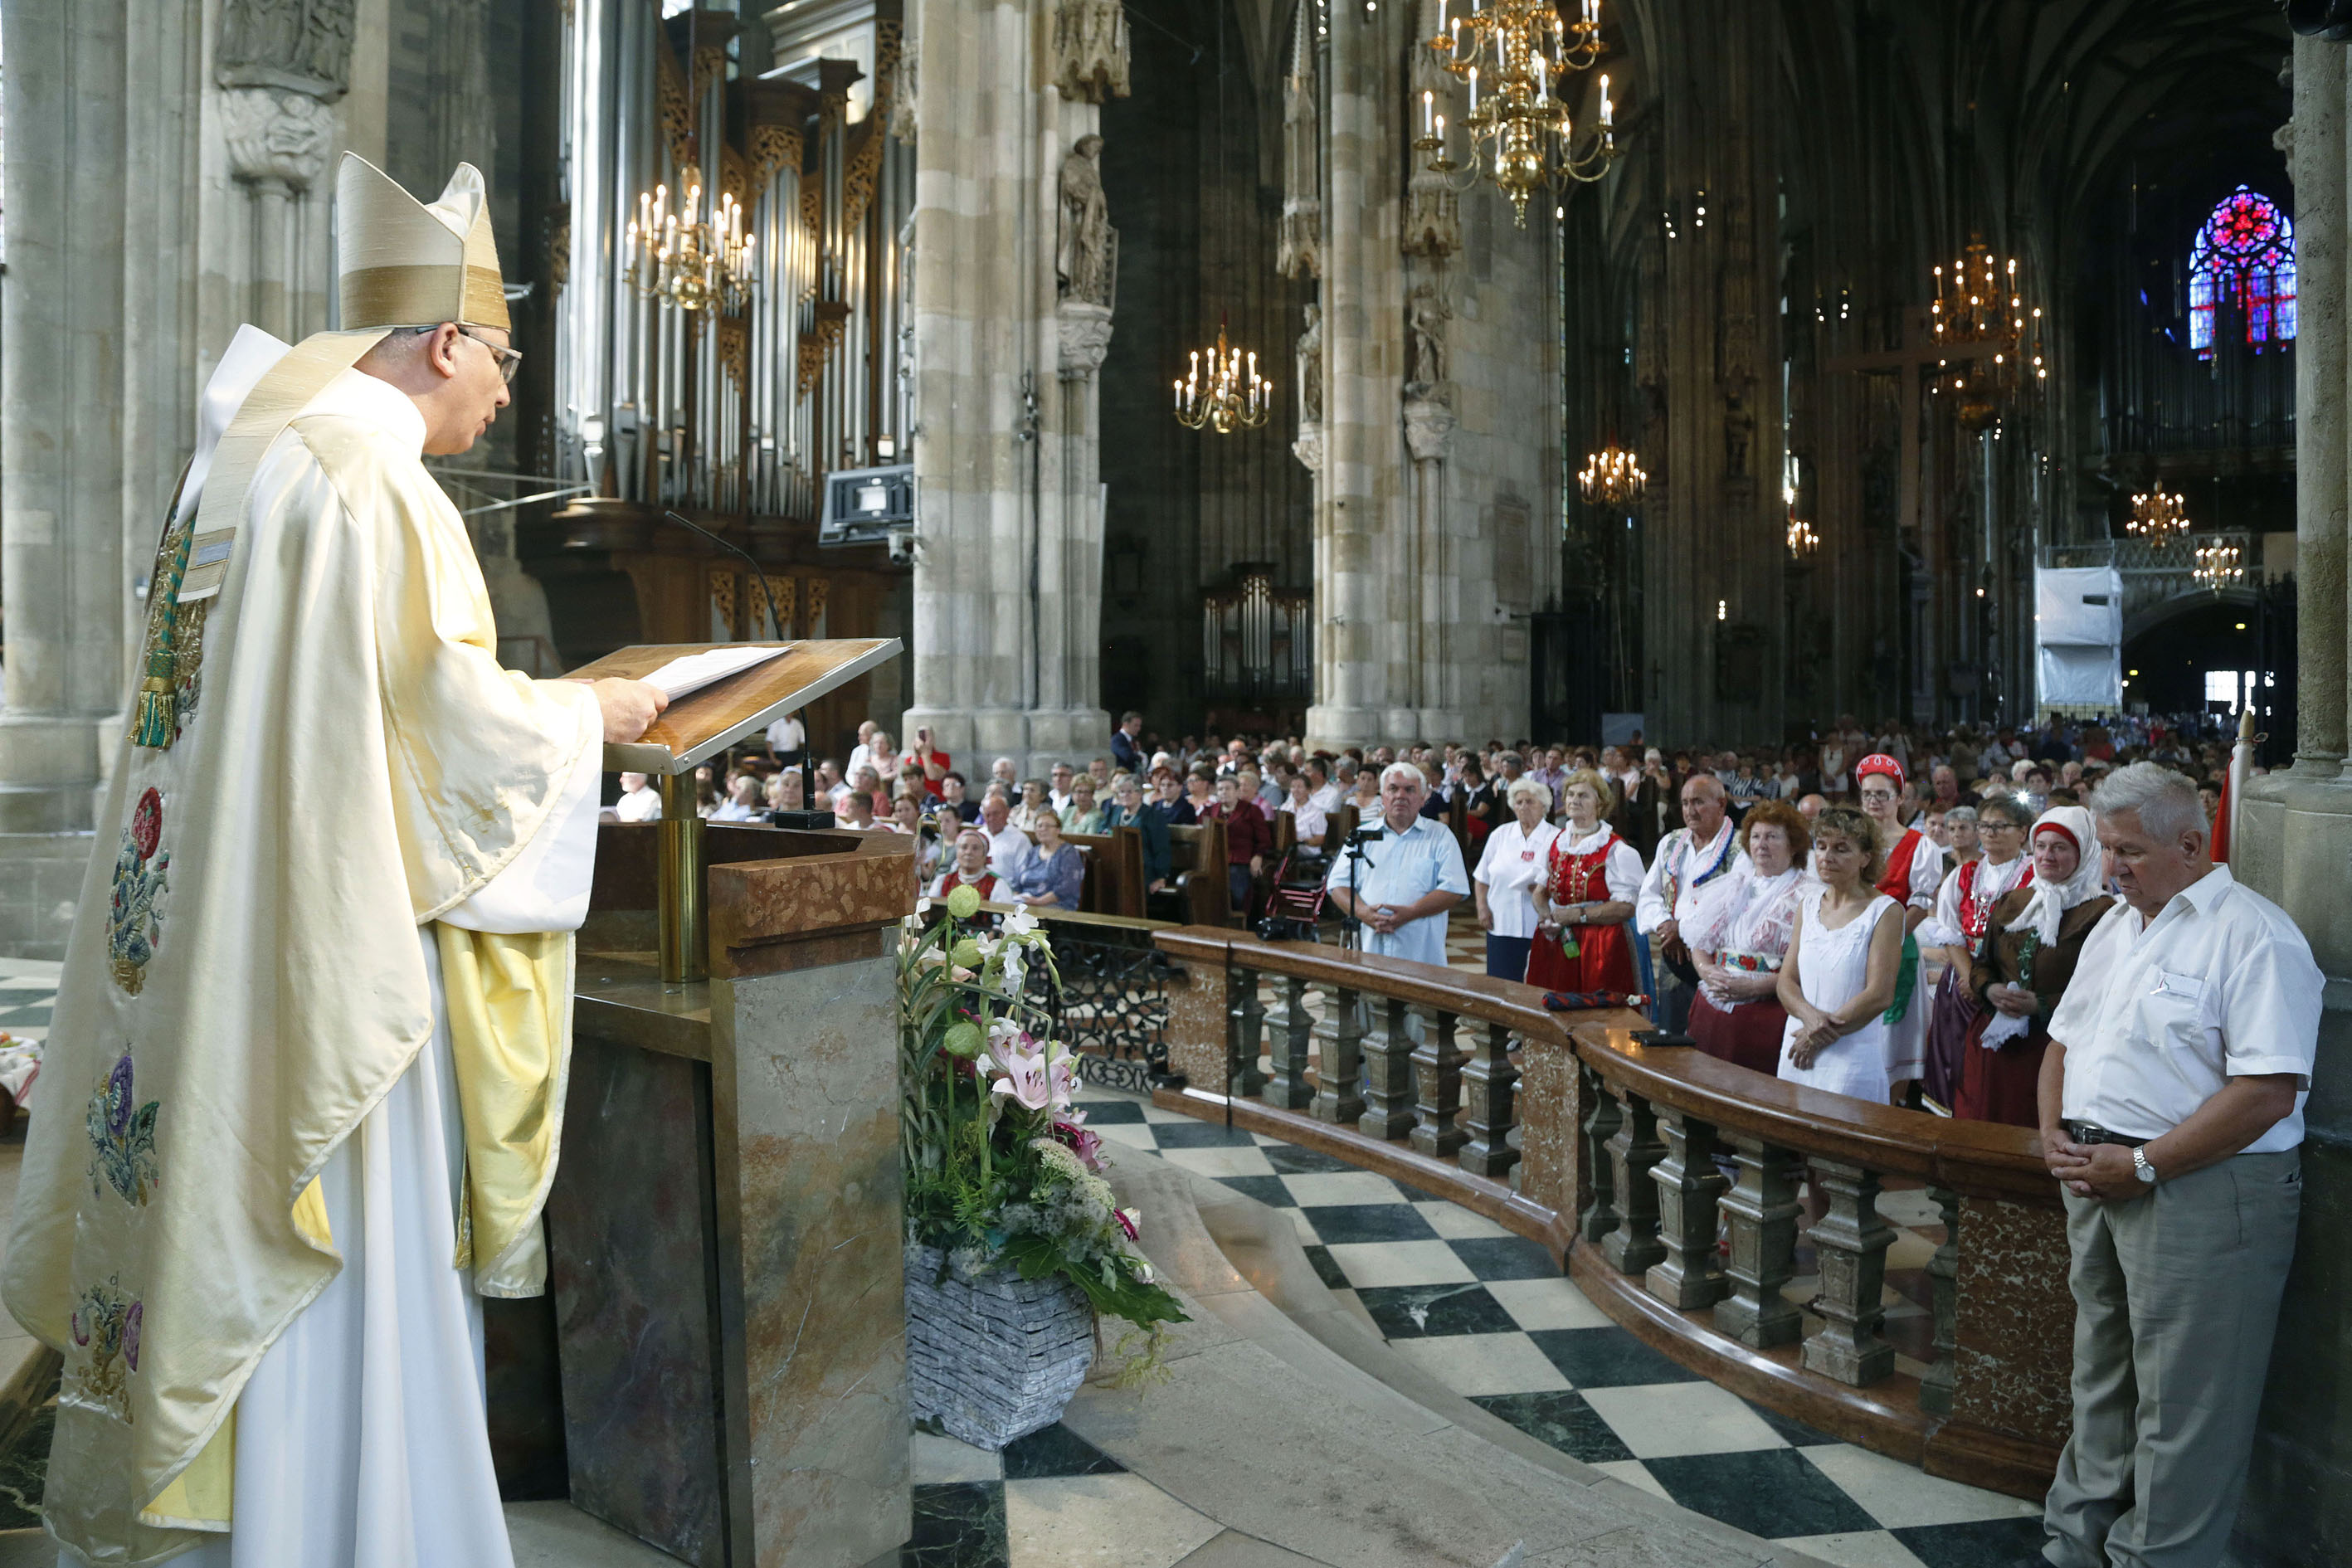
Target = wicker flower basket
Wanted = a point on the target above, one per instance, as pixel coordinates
(994, 1356)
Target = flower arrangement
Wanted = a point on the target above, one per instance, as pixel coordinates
(1002, 1170)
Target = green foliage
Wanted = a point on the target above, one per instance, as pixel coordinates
(999, 1171)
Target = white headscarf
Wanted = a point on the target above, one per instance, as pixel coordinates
(2050, 900)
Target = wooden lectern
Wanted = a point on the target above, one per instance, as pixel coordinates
(700, 726)
(725, 1226)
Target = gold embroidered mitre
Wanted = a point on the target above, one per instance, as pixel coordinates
(405, 264)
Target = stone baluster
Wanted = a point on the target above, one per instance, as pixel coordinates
(1493, 1083)
(1598, 1217)
(1291, 1023)
(1762, 1208)
(1388, 1071)
(1634, 1245)
(1338, 1077)
(1243, 1079)
(1852, 1241)
(1688, 1185)
(1943, 1275)
(1437, 1077)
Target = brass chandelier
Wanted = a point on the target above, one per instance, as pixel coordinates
(1980, 306)
(1233, 397)
(2158, 516)
(1515, 56)
(1611, 477)
(689, 259)
(2219, 566)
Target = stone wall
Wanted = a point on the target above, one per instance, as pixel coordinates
(2295, 847)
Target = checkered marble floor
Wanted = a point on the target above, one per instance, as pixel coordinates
(28, 989)
(1487, 1313)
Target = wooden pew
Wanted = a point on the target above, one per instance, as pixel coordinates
(1196, 869)
(1115, 881)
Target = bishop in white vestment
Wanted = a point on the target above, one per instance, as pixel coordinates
(319, 994)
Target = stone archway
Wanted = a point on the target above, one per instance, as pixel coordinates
(2168, 644)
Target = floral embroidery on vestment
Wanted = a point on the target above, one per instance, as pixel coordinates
(106, 1327)
(124, 1138)
(134, 923)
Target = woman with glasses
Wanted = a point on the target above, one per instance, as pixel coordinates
(1963, 913)
(1128, 808)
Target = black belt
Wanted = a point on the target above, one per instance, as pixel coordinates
(2092, 1133)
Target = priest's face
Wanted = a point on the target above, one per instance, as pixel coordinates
(469, 369)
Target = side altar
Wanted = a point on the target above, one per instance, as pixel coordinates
(725, 1226)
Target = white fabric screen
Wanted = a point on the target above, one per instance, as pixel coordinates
(2078, 635)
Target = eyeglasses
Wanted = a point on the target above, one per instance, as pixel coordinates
(510, 361)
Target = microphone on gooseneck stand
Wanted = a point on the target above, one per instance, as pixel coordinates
(728, 544)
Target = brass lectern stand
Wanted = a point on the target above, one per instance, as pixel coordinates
(725, 1223)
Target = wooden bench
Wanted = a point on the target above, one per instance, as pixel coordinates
(1115, 878)
(1197, 858)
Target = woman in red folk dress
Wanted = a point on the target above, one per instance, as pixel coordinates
(1587, 898)
(971, 868)
(2034, 936)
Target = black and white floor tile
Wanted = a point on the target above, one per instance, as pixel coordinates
(28, 989)
(1487, 1313)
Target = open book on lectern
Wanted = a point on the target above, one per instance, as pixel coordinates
(722, 692)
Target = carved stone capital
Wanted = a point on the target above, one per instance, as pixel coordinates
(1085, 333)
(1428, 421)
(1308, 446)
(301, 45)
(276, 136)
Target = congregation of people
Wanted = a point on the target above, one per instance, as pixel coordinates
(1883, 912)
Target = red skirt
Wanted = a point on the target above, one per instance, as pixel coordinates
(1748, 1035)
(1604, 961)
(2003, 1084)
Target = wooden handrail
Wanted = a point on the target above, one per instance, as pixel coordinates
(1977, 1159)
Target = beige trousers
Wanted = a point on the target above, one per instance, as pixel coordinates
(2176, 1299)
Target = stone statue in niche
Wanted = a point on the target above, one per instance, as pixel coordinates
(303, 45)
(1739, 433)
(1086, 260)
(1310, 368)
(1425, 315)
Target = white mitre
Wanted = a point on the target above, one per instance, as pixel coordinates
(400, 264)
(403, 264)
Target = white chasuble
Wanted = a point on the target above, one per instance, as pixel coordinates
(314, 1114)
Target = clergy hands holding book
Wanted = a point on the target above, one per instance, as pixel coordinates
(630, 708)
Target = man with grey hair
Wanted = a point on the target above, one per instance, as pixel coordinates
(2171, 1112)
(1693, 855)
(1405, 875)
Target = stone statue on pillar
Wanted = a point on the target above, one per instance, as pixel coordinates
(1086, 259)
(1425, 315)
(1310, 368)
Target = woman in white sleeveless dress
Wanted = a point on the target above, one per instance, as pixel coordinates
(1840, 973)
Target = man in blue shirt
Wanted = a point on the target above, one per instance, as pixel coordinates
(1411, 874)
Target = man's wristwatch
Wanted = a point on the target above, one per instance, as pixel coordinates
(2140, 1167)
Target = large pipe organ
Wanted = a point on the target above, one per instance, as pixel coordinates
(731, 402)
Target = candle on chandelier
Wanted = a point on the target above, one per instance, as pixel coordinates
(1608, 111)
(1457, 38)
(1543, 84)
(1592, 13)
(1441, 136)
(1441, 16)
(1474, 89)
(1428, 108)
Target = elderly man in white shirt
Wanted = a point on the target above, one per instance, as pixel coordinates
(1409, 877)
(1009, 849)
(639, 801)
(2171, 1111)
(1701, 851)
